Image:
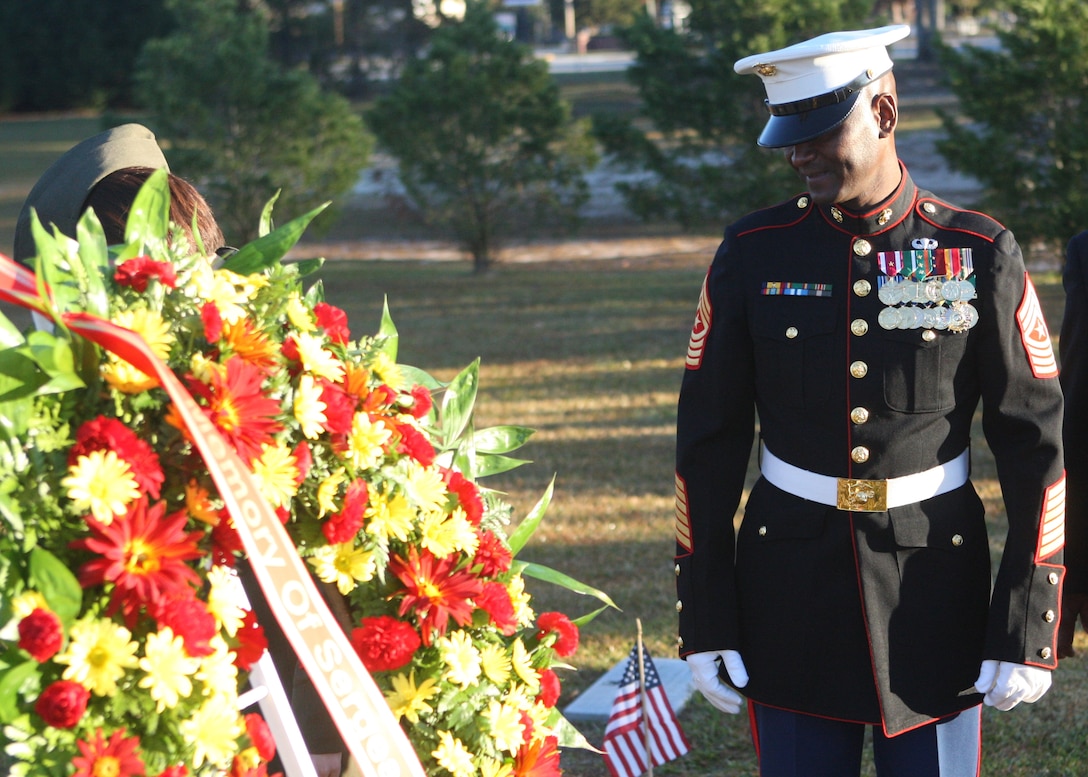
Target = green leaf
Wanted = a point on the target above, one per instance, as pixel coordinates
(584, 620)
(309, 266)
(458, 402)
(388, 333)
(50, 577)
(484, 464)
(419, 377)
(20, 376)
(268, 249)
(567, 734)
(10, 683)
(93, 265)
(264, 225)
(528, 525)
(149, 218)
(549, 575)
(501, 439)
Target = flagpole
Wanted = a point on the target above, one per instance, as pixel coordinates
(645, 701)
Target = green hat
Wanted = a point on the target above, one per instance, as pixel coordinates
(59, 194)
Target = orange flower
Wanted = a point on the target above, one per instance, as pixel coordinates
(116, 757)
(538, 759)
(251, 344)
(238, 407)
(435, 590)
(143, 554)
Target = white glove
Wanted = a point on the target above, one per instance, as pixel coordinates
(1006, 684)
(704, 673)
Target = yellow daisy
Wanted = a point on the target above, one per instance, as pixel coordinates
(427, 488)
(495, 662)
(505, 726)
(308, 408)
(218, 673)
(453, 756)
(149, 325)
(316, 360)
(390, 516)
(223, 599)
(328, 491)
(489, 767)
(344, 565)
(298, 314)
(101, 482)
(443, 535)
(228, 291)
(169, 669)
(366, 441)
(407, 700)
(277, 471)
(462, 659)
(521, 660)
(520, 599)
(99, 653)
(387, 371)
(213, 731)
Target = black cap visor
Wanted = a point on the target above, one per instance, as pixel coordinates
(782, 131)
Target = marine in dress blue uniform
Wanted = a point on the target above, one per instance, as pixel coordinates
(863, 333)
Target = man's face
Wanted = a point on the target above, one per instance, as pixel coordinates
(844, 164)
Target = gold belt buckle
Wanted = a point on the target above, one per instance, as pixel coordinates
(865, 496)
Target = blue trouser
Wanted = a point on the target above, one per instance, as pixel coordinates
(794, 745)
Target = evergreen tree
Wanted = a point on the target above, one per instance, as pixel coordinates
(484, 143)
(704, 163)
(1020, 124)
(240, 126)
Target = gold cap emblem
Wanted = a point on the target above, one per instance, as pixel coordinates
(766, 70)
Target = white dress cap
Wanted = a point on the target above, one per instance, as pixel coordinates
(815, 67)
(813, 86)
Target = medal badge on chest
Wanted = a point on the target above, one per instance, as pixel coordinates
(927, 288)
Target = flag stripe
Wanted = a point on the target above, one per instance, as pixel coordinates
(625, 737)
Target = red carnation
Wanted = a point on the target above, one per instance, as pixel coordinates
(468, 495)
(334, 321)
(304, 461)
(566, 633)
(138, 271)
(251, 642)
(109, 434)
(41, 634)
(549, 688)
(422, 402)
(415, 444)
(188, 617)
(344, 525)
(226, 542)
(62, 704)
(495, 601)
(492, 555)
(384, 643)
(213, 322)
(261, 736)
(178, 770)
(339, 408)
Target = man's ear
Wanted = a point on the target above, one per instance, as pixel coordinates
(886, 111)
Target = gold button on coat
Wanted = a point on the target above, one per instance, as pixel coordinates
(862, 287)
(929, 207)
(957, 540)
(859, 326)
(859, 369)
(762, 531)
(1044, 653)
(679, 606)
(677, 570)
(929, 335)
(1052, 578)
(862, 247)
(791, 332)
(1048, 616)
(680, 642)
(860, 454)
(802, 202)
(859, 415)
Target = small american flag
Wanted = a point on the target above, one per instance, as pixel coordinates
(626, 736)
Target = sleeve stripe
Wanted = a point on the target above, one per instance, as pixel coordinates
(1034, 334)
(683, 519)
(1052, 525)
(700, 329)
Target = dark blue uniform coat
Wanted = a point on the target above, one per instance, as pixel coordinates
(1074, 377)
(874, 617)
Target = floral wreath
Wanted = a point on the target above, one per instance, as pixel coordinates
(124, 643)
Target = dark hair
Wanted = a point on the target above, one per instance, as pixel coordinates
(112, 198)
